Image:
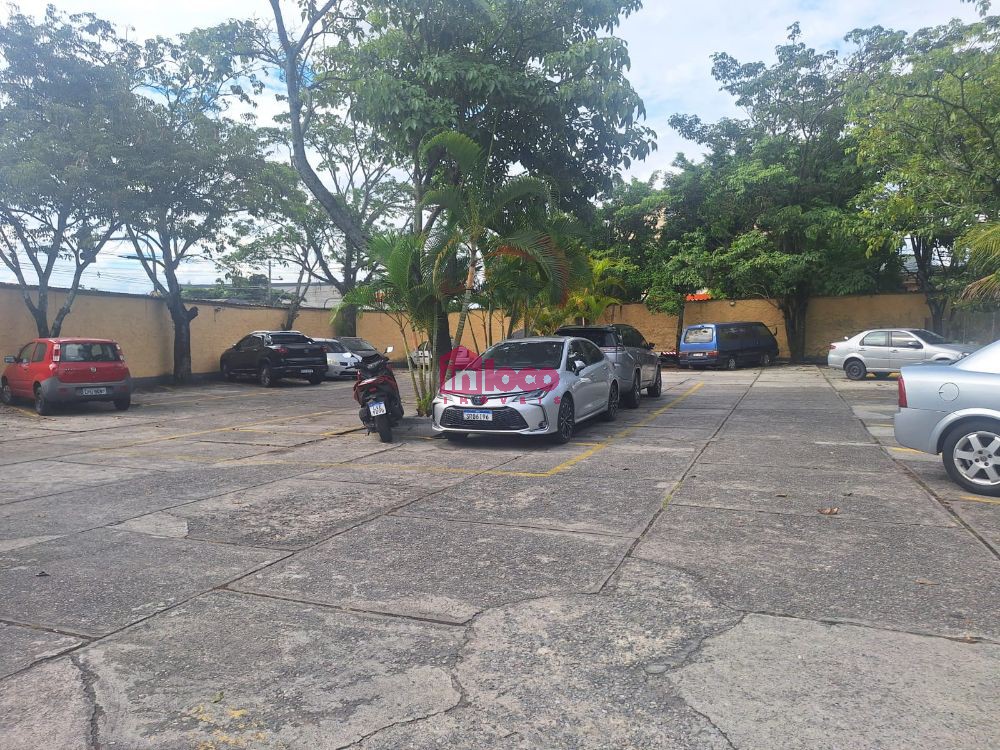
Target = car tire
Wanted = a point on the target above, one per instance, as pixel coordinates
(565, 422)
(42, 405)
(656, 388)
(962, 439)
(855, 369)
(122, 404)
(317, 379)
(611, 410)
(265, 376)
(227, 374)
(731, 363)
(6, 394)
(384, 428)
(631, 399)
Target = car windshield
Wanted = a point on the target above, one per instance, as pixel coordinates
(89, 352)
(929, 337)
(986, 359)
(289, 338)
(335, 347)
(599, 337)
(702, 335)
(514, 355)
(359, 346)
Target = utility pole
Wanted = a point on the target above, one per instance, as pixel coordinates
(269, 283)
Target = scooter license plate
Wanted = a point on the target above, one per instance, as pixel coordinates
(376, 408)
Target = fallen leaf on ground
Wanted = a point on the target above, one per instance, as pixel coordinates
(925, 582)
(781, 494)
(829, 511)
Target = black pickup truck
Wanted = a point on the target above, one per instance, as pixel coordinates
(269, 356)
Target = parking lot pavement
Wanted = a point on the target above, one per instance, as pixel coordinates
(747, 561)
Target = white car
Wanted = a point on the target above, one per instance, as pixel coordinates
(530, 386)
(340, 361)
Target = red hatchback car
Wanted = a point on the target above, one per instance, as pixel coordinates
(67, 371)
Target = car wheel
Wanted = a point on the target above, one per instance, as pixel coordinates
(42, 406)
(634, 392)
(6, 394)
(855, 370)
(122, 404)
(565, 421)
(731, 363)
(317, 379)
(265, 377)
(227, 374)
(657, 387)
(611, 412)
(971, 455)
(765, 360)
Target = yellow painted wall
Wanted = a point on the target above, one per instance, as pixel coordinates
(142, 325)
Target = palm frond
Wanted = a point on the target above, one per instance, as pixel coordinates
(984, 259)
(465, 151)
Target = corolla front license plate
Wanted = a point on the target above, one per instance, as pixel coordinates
(471, 415)
(93, 391)
(376, 408)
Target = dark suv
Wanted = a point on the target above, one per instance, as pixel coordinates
(271, 355)
(637, 367)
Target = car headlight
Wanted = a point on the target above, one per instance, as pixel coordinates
(537, 393)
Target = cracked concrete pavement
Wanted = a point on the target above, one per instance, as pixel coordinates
(224, 567)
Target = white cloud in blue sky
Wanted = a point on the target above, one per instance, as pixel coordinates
(670, 43)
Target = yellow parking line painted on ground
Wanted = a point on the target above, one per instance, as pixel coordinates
(977, 499)
(901, 448)
(27, 411)
(569, 463)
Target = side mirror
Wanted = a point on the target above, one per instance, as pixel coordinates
(915, 345)
(9, 360)
(578, 365)
(388, 350)
(649, 345)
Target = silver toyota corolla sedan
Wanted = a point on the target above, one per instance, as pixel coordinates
(954, 410)
(885, 350)
(531, 386)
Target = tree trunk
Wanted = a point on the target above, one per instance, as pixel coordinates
(40, 314)
(346, 321)
(680, 327)
(793, 310)
(181, 319)
(937, 304)
(443, 345)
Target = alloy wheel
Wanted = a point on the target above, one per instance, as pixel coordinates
(977, 457)
(612, 410)
(731, 363)
(566, 421)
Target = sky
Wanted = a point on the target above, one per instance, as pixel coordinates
(670, 43)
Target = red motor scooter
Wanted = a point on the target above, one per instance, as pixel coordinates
(377, 391)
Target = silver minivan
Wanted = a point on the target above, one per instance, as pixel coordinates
(885, 350)
(637, 366)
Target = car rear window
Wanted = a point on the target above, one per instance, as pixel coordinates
(358, 345)
(289, 338)
(89, 352)
(702, 335)
(596, 336)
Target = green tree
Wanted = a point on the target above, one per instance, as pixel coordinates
(65, 100)
(780, 183)
(193, 170)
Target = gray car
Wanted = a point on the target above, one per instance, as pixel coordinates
(531, 386)
(884, 350)
(637, 366)
(954, 410)
(340, 361)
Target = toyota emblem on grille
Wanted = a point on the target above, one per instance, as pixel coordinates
(478, 400)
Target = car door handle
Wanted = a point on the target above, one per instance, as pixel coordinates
(894, 351)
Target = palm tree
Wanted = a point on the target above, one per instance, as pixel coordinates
(984, 242)
(488, 216)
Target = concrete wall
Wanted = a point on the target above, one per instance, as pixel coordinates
(142, 325)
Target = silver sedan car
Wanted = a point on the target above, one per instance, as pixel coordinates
(885, 350)
(531, 386)
(954, 410)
